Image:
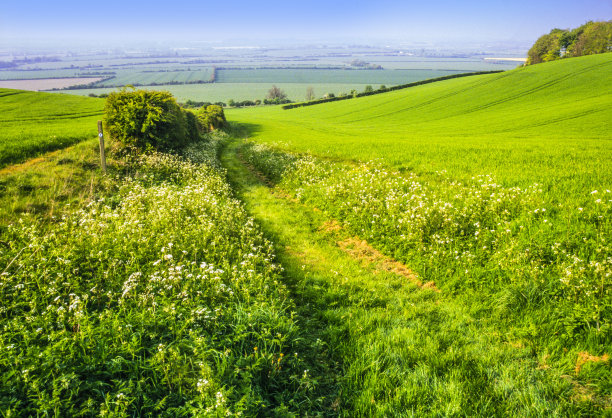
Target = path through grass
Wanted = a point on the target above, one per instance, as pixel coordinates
(391, 348)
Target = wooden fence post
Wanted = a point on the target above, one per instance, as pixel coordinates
(102, 156)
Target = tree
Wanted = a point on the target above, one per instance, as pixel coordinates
(310, 94)
(546, 48)
(590, 38)
(276, 94)
(368, 89)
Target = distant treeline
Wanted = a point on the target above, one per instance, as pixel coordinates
(590, 38)
(34, 60)
(193, 104)
(384, 89)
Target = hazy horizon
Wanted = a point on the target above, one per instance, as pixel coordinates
(440, 21)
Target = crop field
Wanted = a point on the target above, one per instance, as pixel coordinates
(158, 77)
(523, 126)
(33, 123)
(441, 250)
(39, 74)
(403, 62)
(46, 83)
(387, 77)
(222, 92)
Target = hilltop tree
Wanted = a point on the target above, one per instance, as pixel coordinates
(590, 38)
(546, 48)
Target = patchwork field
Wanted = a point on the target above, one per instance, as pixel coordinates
(46, 83)
(222, 92)
(348, 76)
(158, 76)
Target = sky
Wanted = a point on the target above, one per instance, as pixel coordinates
(256, 20)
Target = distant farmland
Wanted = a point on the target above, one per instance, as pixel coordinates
(319, 76)
(222, 92)
(46, 83)
(144, 78)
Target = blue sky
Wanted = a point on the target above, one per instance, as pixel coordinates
(433, 20)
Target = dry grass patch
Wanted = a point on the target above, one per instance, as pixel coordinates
(584, 358)
(361, 250)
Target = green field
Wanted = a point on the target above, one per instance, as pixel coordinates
(545, 124)
(222, 92)
(148, 77)
(33, 123)
(375, 77)
(41, 74)
(495, 188)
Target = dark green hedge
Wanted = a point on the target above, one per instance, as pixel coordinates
(143, 119)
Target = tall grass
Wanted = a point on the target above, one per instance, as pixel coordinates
(162, 297)
(540, 270)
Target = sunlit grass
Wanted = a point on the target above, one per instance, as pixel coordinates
(34, 123)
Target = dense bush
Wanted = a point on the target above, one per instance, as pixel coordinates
(211, 117)
(144, 119)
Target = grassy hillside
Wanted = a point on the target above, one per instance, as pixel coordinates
(548, 123)
(495, 189)
(32, 123)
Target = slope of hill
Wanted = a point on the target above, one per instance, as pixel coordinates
(31, 123)
(493, 188)
(525, 125)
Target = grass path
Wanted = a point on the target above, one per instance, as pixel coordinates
(380, 344)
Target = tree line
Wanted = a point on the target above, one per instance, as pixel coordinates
(590, 38)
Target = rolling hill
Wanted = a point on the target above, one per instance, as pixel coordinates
(32, 123)
(544, 123)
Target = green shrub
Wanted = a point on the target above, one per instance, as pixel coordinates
(193, 125)
(211, 118)
(145, 119)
